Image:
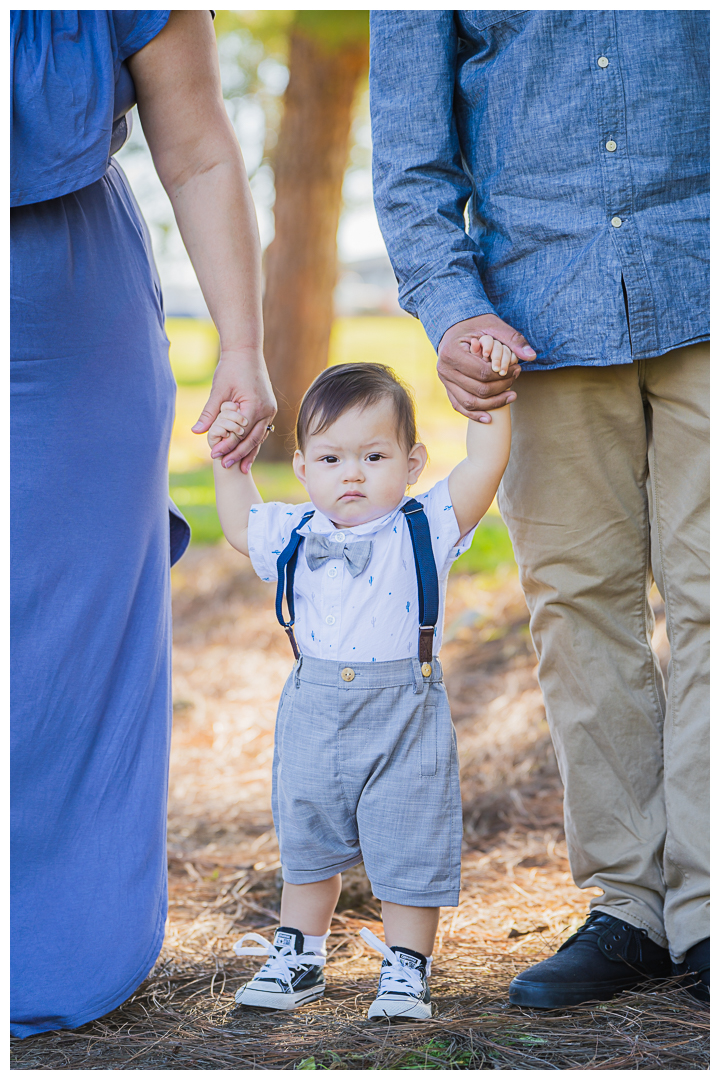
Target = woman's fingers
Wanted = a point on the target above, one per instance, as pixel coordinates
(246, 451)
(209, 414)
(228, 430)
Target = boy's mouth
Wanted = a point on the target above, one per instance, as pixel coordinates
(352, 495)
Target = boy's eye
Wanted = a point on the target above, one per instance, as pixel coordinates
(375, 457)
(330, 458)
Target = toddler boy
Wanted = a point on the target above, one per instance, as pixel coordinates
(365, 765)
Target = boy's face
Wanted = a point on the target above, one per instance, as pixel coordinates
(357, 470)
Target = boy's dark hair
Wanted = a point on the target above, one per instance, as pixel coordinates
(345, 386)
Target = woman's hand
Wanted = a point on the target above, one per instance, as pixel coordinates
(240, 377)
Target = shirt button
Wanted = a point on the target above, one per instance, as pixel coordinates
(610, 145)
(330, 620)
(603, 61)
(332, 571)
(347, 674)
(616, 222)
(339, 537)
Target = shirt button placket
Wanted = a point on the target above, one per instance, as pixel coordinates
(332, 608)
(618, 180)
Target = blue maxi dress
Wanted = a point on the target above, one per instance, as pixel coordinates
(92, 530)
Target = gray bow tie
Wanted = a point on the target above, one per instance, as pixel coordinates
(319, 548)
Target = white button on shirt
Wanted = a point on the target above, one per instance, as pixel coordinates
(374, 616)
(603, 61)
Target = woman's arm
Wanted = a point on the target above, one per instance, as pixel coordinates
(198, 160)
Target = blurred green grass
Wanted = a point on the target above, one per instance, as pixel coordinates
(399, 342)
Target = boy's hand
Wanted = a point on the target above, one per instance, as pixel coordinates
(501, 356)
(472, 385)
(242, 378)
(229, 423)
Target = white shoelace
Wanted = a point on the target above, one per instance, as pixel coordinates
(397, 978)
(281, 962)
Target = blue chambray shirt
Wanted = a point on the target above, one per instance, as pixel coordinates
(577, 144)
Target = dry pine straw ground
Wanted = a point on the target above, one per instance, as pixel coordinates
(518, 901)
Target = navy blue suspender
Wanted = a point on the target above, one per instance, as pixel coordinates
(425, 569)
(287, 561)
(427, 579)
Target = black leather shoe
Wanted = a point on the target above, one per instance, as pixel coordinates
(605, 957)
(696, 966)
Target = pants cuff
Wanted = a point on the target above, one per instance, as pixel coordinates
(634, 919)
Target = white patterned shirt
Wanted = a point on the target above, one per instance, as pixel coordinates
(371, 617)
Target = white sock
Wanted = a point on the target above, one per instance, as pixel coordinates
(316, 944)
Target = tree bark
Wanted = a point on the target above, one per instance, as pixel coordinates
(301, 261)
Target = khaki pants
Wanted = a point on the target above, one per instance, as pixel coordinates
(607, 488)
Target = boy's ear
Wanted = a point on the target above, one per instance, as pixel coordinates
(417, 460)
(299, 466)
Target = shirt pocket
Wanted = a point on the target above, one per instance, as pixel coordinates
(483, 20)
(428, 742)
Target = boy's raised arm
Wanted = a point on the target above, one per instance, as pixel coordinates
(474, 482)
(235, 491)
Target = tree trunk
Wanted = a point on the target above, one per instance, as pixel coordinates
(301, 261)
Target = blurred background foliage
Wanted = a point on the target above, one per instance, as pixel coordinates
(295, 87)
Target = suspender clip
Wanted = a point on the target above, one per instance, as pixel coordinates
(425, 647)
(289, 631)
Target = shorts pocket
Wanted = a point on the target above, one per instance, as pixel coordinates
(285, 709)
(428, 742)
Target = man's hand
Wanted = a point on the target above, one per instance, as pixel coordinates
(472, 385)
(241, 378)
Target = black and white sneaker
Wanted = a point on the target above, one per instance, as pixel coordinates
(403, 992)
(291, 977)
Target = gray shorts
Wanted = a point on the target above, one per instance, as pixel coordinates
(365, 769)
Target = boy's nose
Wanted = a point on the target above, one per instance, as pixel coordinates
(353, 474)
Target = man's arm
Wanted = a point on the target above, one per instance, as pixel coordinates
(421, 191)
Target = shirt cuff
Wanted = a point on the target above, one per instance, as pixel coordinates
(448, 299)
